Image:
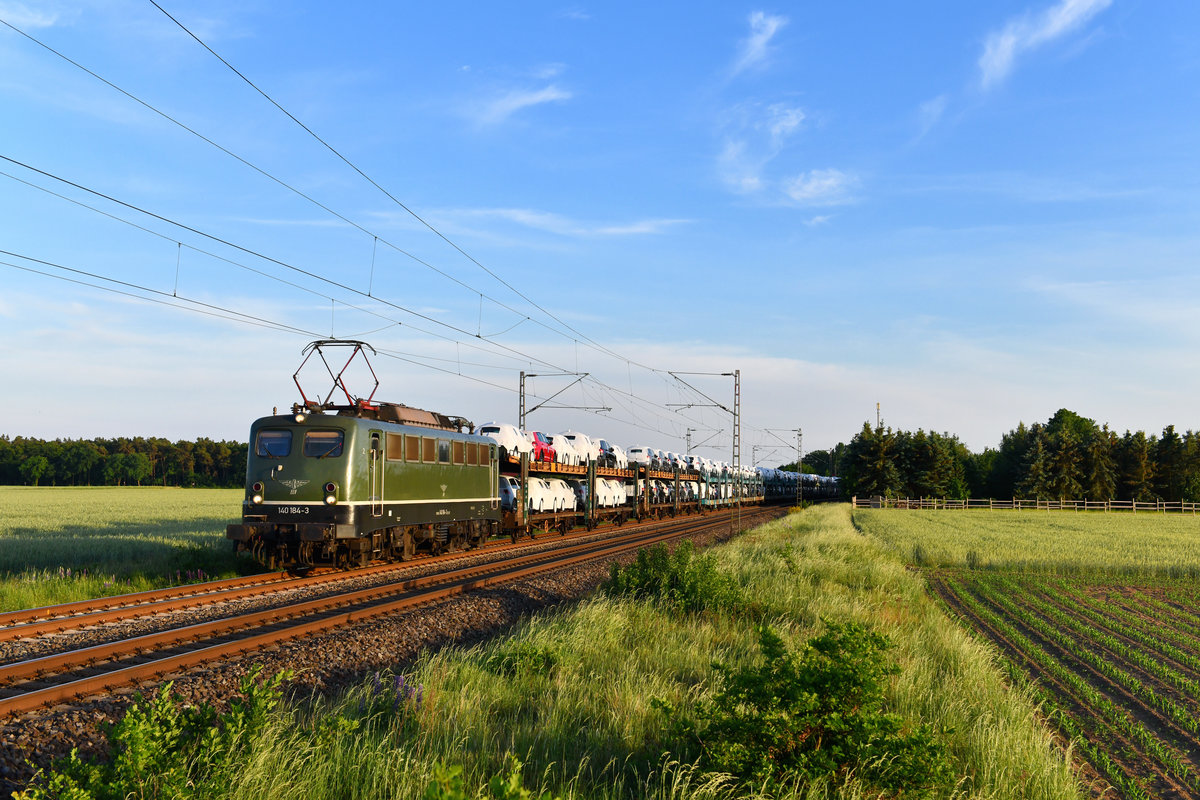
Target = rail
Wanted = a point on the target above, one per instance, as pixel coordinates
(1017, 504)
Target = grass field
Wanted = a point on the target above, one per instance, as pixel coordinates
(63, 544)
(1099, 615)
(573, 693)
(1131, 545)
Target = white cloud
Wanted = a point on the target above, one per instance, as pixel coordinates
(756, 47)
(21, 16)
(1027, 32)
(564, 226)
(740, 173)
(504, 107)
(756, 135)
(930, 112)
(820, 187)
(1167, 307)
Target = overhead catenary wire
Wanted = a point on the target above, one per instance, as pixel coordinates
(392, 197)
(515, 354)
(376, 239)
(511, 353)
(220, 312)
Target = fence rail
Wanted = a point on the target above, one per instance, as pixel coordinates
(1016, 504)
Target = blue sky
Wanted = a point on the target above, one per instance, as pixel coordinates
(972, 214)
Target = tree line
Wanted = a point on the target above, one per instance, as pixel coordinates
(121, 462)
(1068, 457)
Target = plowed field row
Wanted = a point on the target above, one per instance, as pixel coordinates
(1117, 668)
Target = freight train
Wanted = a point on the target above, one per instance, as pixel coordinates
(344, 484)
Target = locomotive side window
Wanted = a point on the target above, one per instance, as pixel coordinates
(458, 450)
(412, 448)
(273, 444)
(443, 451)
(472, 454)
(429, 450)
(395, 447)
(323, 444)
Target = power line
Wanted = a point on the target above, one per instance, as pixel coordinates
(394, 199)
(220, 312)
(516, 354)
(283, 183)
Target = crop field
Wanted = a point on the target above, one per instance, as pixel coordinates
(63, 544)
(1099, 614)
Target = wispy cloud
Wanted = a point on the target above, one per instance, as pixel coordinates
(503, 107)
(297, 223)
(565, 226)
(755, 135)
(1151, 306)
(821, 187)
(21, 16)
(575, 13)
(1028, 32)
(754, 50)
(930, 113)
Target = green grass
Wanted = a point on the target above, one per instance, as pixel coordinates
(1127, 545)
(64, 544)
(571, 693)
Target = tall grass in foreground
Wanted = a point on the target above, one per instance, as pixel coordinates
(1126, 545)
(571, 693)
(64, 544)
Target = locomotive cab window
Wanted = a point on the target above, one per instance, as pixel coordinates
(443, 451)
(273, 443)
(323, 444)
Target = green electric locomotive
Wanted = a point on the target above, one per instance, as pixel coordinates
(342, 485)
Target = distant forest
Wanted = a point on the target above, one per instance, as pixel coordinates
(121, 462)
(1068, 457)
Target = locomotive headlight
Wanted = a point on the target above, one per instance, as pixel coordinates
(299, 417)
(330, 487)
(257, 487)
(257, 499)
(330, 500)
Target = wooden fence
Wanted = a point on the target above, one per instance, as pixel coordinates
(1015, 504)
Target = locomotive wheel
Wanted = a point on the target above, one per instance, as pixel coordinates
(407, 547)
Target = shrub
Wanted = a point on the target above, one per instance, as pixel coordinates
(447, 784)
(815, 714)
(681, 580)
(164, 749)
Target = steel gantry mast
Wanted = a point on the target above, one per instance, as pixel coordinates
(735, 480)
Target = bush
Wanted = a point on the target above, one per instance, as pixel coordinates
(162, 749)
(815, 714)
(681, 580)
(447, 784)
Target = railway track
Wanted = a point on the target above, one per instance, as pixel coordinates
(31, 684)
(58, 619)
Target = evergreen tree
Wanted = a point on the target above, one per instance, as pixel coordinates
(1035, 481)
(1101, 465)
(1135, 466)
(871, 468)
(1169, 467)
(1063, 465)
